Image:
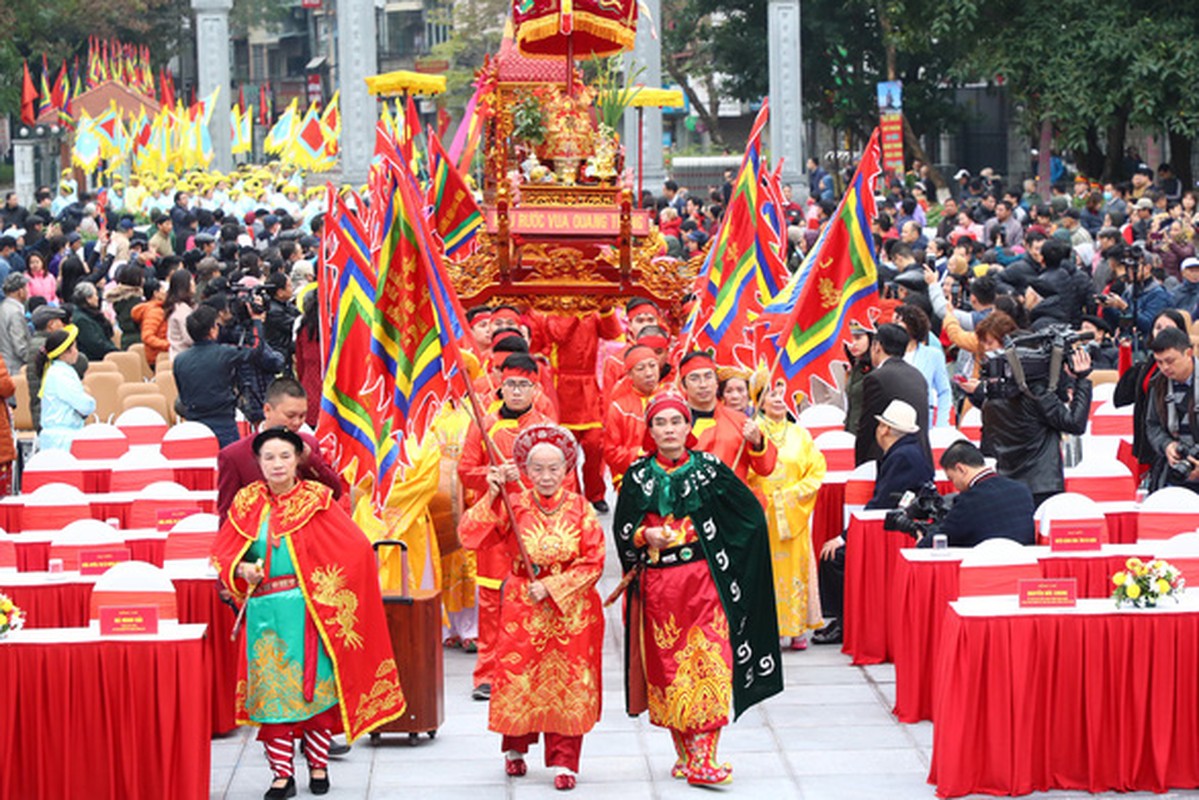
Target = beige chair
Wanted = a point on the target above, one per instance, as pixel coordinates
(22, 418)
(128, 389)
(129, 363)
(163, 362)
(95, 367)
(165, 380)
(140, 350)
(103, 387)
(1101, 376)
(153, 401)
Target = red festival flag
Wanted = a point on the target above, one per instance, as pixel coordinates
(351, 400)
(836, 284)
(28, 97)
(418, 321)
(742, 271)
(457, 215)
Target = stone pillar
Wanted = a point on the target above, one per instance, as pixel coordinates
(212, 58)
(647, 52)
(786, 96)
(24, 172)
(356, 59)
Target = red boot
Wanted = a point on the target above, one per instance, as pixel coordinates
(702, 769)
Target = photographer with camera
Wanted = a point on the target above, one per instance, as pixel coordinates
(246, 329)
(1142, 297)
(904, 467)
(1035, 390)
(1171, 424)
(988, 506)
(206, 374)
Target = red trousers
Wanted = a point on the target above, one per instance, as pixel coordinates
(591, 440)
(560, 751)
(489, 632)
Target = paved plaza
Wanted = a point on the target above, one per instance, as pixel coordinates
(830, 734)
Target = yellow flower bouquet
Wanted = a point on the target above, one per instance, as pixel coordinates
(1143, 584)
(11, 617)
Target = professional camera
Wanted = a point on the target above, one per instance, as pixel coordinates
(249, 301)
(1179, 471)
(918, 512)
(1132, 256)
(1028, 359)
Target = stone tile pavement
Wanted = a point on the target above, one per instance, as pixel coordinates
(829, 736)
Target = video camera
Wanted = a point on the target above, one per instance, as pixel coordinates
(248, 301)
(1132, 256)
(918, 512)
(1028, 359)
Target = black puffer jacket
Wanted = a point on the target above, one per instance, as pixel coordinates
(1023, 433)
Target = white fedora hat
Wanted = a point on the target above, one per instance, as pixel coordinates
(900, 416)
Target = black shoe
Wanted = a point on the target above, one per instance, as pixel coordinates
(281, 792)
(481, 692)
(338, 749)
(600, 506)
(829, 634)
(319, 785)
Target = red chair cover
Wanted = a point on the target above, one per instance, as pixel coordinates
(99, 441)
(190, 440)
(1164, 525)
(33, 479)
(994, 578)
(1103, 487)
(167, 606)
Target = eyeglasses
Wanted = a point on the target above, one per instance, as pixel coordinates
(517, 386)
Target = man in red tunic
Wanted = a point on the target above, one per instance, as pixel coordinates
(573, 346)
(726, 434)
(641, 313)
(624, 425)
(518, 384)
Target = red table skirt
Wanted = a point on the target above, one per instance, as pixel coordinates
(828, 515)
(871, 555)
(921, 595)
(66, 605)
(105, 720)
(1122, 527)
(1093, 703)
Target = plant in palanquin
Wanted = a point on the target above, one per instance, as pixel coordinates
(528, 119)
(11, 617)
(1143, 584)
(611, 99)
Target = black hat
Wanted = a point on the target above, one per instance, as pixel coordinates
(1098, 322)
(912, 280)
(205, 238)
(286, 434)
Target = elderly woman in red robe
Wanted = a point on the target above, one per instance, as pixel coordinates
(315, 655)
(547, 676)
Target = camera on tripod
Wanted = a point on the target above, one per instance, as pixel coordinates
(249, 301)
(1132, 256)
(918, 512)
(1032, 358)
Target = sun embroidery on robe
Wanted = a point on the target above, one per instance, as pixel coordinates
(275, 685)
(384, 695)
(555, 693)
(702, 689)
(328, 582)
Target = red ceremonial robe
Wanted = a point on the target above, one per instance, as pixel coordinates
(338, 577)
(720, 434)
(548, 672)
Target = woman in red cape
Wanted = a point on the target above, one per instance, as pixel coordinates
(316, 655)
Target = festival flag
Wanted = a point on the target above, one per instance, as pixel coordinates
(741, 272)
(243, 130)
(456, 214)
(167, 82)
(59, 93)
(418, 321)
(307, 145)
(350, 395)
(85, 151)
(280, 135)
(28, 97)
(331, 117)
(241, 96)
(264, 104)
(470, 130)
(44, 102)
(837, 283)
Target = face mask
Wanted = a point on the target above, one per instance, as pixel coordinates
(1108, 196)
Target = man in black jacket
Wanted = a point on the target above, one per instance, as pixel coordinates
(1172, 413)
(891, 379)
(989, 505)
(904, 467)
(1023, 430)
(281, 316)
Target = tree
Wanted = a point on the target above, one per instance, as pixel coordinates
(477, 27)
(1116, 64)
